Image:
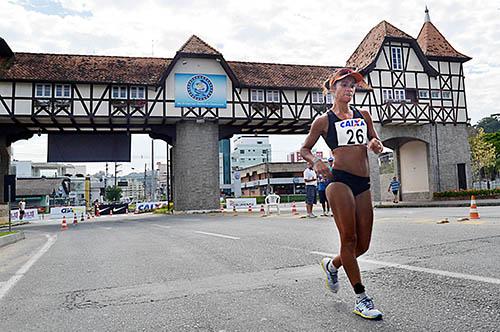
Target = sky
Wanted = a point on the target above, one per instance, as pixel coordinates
(297, 32)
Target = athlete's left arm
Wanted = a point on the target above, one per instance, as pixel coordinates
(374, 142)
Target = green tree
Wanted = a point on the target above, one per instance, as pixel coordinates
(489, 124)
(113, 194)
(482, 153)
(494, 138)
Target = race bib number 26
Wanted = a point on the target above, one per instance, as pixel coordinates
(351, 132)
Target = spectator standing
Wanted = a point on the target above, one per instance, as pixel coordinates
(311, 182)
(22, 208)
(323, 182)
(394, 187)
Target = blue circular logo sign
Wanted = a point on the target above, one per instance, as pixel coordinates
(200, 87)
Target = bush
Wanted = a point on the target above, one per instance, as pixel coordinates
(481, 193)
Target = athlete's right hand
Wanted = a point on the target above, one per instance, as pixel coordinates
(322, 168)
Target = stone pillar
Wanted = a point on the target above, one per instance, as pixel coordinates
(374, 176)
(4, 170)
(196, 166)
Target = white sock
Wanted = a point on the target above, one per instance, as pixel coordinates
(330, 267)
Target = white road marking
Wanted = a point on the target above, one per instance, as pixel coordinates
(162, 226)
(218, 235)
(108, 228)
(421, 269)
(6, 286)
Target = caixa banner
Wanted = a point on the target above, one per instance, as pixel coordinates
(150, 206)
(29, 214)
(68, 211)
(200, 90)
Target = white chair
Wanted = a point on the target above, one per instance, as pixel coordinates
(272, 200)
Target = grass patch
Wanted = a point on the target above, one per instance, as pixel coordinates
(6, 233)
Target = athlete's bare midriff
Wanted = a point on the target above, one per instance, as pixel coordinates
(352, 159)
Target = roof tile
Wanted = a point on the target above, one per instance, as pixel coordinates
(433, 43)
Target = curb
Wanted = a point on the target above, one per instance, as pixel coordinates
(11, 238)
(426, 205)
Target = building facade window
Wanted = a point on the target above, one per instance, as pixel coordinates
(119, 92)
(257, 95)
(399, 94)
(329, 98)
(273, 96)
(423, 94)
(435, 94)
(63, 91)
(446, 94)
(43, 90)
(136, 92)
(396, 58)
(317, 97)
(386, 95)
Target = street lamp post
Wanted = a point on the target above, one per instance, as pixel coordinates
(268, 189)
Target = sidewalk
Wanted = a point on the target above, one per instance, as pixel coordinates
(457, 203)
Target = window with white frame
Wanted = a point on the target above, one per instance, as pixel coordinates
(423, 94)
(273, 96)
(119, 92)
(396, 57)
(386, 95)
(43, 90)
(329, 98)
(317, 97)
(257, 95)
(446, 94)
(136, 92)
(435, 94)
(399, 94)
(63, 91)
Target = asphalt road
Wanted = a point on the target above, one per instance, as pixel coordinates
(247, 273)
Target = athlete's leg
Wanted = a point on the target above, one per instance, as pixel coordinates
(364, 221)
(344, 208)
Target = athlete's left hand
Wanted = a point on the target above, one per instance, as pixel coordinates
(375, 145)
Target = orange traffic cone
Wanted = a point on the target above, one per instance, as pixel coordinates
(473, 214)
(88, 215)
(222, 208)
(75, 220)
(250, 208)
(294, 209)
(110, 211)
(82, 218)
(64, 225)
(234, 210)
(262, 211)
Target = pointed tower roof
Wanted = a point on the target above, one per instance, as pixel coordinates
(365, 55)
(434, 45)
(194, 45)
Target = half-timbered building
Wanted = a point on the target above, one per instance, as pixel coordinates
(194, 99)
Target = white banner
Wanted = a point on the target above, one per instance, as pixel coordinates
(29, 214)
(149, 206)
(240, 202)
(68, 211)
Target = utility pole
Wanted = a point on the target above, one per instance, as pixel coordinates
(106, 178)
(116, 171)
(145, 181)
(153, 173)
(268, 189)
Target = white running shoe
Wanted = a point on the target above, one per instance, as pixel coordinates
(366, 309)
(332, 281)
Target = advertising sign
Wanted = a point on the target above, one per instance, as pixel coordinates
(240, 202)
(200, 90)
(29, 214)
(68, 211)
(149, 206)
(105, 209)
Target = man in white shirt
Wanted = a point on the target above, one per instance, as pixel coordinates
(311, 182)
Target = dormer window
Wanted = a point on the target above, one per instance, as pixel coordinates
(119, 92)
(396, 58)
(43, 90)
(63, 91)
(257, 95)
(273, 96)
